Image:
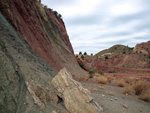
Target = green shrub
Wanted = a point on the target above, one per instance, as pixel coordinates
(106, 57)
(85, 53)
(115, 75)
(91, 71)
(80, 64)
(80, 53)
(101, 72)
(82, 57)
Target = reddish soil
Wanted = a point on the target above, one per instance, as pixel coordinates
(44, 31)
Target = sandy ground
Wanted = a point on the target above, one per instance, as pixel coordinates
(114, 101)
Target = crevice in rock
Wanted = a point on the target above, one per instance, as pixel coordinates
(60, 100)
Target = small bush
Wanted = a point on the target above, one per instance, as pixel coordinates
(124, 52)
(82, 57)
(102, 87)
(106, 57)
(140, 87)
(102, 80)
(80, 64)
(130, 81)
(80, 53)
(101, 72)
(115, 75)
(97, 74)
(120, 83)
(110, 93)
(112, 71)
(110, 78)
(91, 71)
(128, 90)
(145, 97)
(85, 53)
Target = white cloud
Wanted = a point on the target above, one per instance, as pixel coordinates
(95, 25)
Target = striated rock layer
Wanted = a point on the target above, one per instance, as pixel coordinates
(43, 30)
(119, 57)
(34, 46)
(75, 97)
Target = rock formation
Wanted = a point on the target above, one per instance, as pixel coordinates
(119, 56)
(76, 99)
(43, 30)
(34, 46)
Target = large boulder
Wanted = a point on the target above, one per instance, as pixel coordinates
(76, 99)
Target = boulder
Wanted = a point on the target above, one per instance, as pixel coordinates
(75, 98)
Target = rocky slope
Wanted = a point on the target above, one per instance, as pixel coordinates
(119, 56)
(143, 48)
(116, 49)
(34, 46)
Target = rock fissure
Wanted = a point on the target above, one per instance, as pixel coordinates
(76, 99)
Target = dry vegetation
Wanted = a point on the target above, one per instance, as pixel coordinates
(102, 80)
(110, 93)
(120, 83)
(102, 87)
(140, 87)
(145, 97)
(131, 85)
(128, 90)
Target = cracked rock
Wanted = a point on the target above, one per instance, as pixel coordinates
(76, 98)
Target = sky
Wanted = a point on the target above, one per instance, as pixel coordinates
(95, 25)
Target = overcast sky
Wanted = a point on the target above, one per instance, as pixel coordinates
(94, 25)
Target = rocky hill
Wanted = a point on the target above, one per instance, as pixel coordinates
(143, 48)
(118, 56)
(116, 49)
(34, 46)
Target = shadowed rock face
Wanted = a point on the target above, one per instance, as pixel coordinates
(76, 98)
(34, 46)
(43, 31)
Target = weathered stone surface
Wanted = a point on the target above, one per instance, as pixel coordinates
(75, 97)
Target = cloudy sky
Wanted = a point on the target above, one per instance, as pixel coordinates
(94, 25)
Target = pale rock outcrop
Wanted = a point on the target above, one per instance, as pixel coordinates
(76, 99)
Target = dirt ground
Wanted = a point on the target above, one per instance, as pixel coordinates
(113, 100)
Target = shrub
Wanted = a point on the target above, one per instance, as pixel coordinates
(82, 57)
(91, 54)
(128, 90)
(80, 53)
(80, 64)
(124, 52)
(112, 71)
(101, 72)
(102, 80)
(102, 87)
(78, 58)
(120, 83)
(91, 71)
(85, 53)
(130, 81)
(97, 74)
(106, 57)
(140, 87)
(115, 75)
(145, 97)
(110, 78)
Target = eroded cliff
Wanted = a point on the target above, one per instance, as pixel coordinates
(34, 46)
